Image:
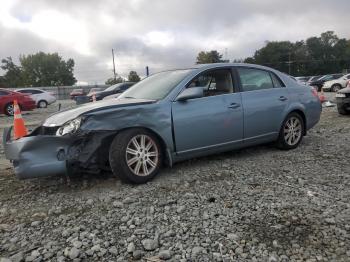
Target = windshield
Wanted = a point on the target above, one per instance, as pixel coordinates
(157, 86)
(113, 87)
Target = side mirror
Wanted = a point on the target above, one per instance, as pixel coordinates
(190, 93)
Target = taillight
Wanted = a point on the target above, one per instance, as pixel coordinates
(314, 92)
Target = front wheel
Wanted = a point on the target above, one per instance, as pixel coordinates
(135, 155)
(335, 88)
(9, 110)
(292, 131)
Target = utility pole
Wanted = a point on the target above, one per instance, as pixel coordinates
(289, 63)
(115, 76)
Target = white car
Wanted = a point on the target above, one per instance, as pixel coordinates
(336, 84)
(41, 97)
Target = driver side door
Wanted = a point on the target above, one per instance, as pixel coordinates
(211, 123)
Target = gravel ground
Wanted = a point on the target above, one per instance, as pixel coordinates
(256, 204)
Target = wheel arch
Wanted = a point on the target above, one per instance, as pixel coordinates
(302, 114)
(168, 159)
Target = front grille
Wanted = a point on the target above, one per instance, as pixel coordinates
(50, 131)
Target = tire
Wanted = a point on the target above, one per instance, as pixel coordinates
(139, 157)
(42, 104)
(342, 111)
(285, 139)
(9, 109)
(335, 88)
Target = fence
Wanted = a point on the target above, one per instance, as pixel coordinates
(62, 92)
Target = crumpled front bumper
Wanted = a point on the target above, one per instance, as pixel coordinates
(37, 156)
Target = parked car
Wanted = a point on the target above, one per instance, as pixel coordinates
(112, 96)
(94, 91)
(313, 78)
(41, 97)
(76, 92)
(336, 84)
(25, 102)
(114, 89)
(343, 100)
(302, 79)
(169, 117)
(319, 82)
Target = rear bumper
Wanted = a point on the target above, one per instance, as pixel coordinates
(37, 156)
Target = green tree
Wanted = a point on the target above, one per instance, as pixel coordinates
(133, 77)
(37, 70)
(43, 69)
(13, 74)
(209, 57)
(113, 81)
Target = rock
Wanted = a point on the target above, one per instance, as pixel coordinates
(180, 209)
(197, 250)
(113, 250)
(137, 254)
(96, 248)
(35, 223)
(330, 220)
(77, 244)
(17, 257)
(129, 200)
(149, 244)
(4, 259)
(73, 253)
(90, 201)
(233, 237)
(35, 253)
(29, 259)
(131, 247)
(118, 204)
(164, 254)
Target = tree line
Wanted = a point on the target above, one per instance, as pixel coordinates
(45, 69)
(325, 54)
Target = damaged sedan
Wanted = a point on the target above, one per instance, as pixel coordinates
(169, 117)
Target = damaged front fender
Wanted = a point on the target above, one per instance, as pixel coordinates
(37, 156)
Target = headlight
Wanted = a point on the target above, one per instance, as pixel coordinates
(69, 127)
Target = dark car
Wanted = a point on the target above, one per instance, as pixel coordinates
(76, 92)
(114, 89)
(343, 100)
(319, 82)
(25, 102)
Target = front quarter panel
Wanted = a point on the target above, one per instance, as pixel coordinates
(155, 116)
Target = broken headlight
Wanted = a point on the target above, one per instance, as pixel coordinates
(69, 127)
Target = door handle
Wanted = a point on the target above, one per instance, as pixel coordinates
(283, 98)
(234, 105)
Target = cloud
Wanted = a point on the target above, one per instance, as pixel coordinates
(159, 33)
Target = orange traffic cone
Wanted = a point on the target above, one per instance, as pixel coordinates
(19, 129)
(322, 96)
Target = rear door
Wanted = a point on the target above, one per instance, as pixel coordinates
(265, 99)
(212, 122)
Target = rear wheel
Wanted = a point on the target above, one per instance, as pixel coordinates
(342, 111)
(292, 131)
(335, 88)
(9, 109)
(42, 104)
(135, 155)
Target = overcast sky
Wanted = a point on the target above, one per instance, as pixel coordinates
(159, 33)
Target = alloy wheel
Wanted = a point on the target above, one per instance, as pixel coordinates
(10, 109)
(292, 131)
(142, 155)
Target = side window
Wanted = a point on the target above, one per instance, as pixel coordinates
(35, 92)
(276, 81)
(215, 82)
(3, 93)
(254, 79)
(348, 77)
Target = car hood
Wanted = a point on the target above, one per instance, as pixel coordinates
(62, 117)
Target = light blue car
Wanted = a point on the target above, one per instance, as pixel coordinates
(169, 117)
